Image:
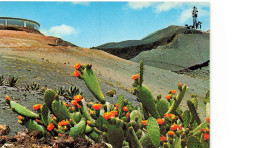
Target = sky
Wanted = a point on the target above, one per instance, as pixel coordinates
(89, 24)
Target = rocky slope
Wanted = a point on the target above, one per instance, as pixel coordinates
(33, 59)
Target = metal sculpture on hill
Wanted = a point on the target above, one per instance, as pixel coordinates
(196, 25)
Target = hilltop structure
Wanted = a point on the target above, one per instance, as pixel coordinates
(19, 24)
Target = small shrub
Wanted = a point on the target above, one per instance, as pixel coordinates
(12, 80)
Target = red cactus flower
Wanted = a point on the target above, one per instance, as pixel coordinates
(206, 136)
(7, 98)
(59, 135)
(144, 122)
(77, 98)
(97, 106)
(37, 106)
(170, 133)
(208, 119)
(160, 121)
(127, 114)
(168, 97)
(20, 117)
(117, 106)
(37, 120)
(162, 138)
(77, 66)
(76, 73)
(73, 102)
(107, 115)
(179, 84)
(125, 109)
(113, 113)
(50, 127)
(52, 116)
(135, 77)
(68, 105)
(174, 127)
(180, 127)
(202, 130)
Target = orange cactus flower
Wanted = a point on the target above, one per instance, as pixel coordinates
(117, 106)
(174, 127)
(37, 120)
(73, 102)
(97, 106)
(170, 133)
(160, 121)
(113, 113)
(19, 121)
(107, 115)
(50, 127)
(63, 123)
(208, 119)
(162, 138)
(168, 97)
(179, 84)
(173, 91)
(206, 136)
(88, 122)
(125, 109)
(168, 115)
(37, 106)
(78, 106)
(59, 135)
(127, 114)
(77, 98)
(76, 73)
(135, 77)
(77, 66)
(20, 117)
(7, 98)
(144, 122)
(207, 130)
(202, 130)
(52, 116)
(180, 127)
(173, 116)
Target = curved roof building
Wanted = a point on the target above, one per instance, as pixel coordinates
(10, 21)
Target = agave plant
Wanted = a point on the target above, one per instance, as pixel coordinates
(12, 80)
(73, 91)
(62, 91)
(35, 86)
(2, 80)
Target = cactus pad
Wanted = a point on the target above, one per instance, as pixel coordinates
(60, 111)
(136, 114)
(93, 85)
(48, 98)
(193, 142)
(177, 143)
(33, 126)
(186, 118)
(45, 115)
(78, 128)
(133, 138)
(120, 100)
(162, 107)
(193, 111)
(153, 131)
(19, 109)
(115, 136)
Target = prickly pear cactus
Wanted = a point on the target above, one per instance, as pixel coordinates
(195, 102)
(193, 111)
(179, 98)
(78, 129)
(20, 110)
(135, 143)
(45, 118)
(177, 143)
(153, 131)
(186, 118)
(136, 114)
(162, 107)
(146, 97)
(146, 142)
(120, 100)
(196, 131)
(193, 142)
(31, 125)
(76, 116)
(115, 136)
(60, 111)
(92, 84)
(49, 96)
